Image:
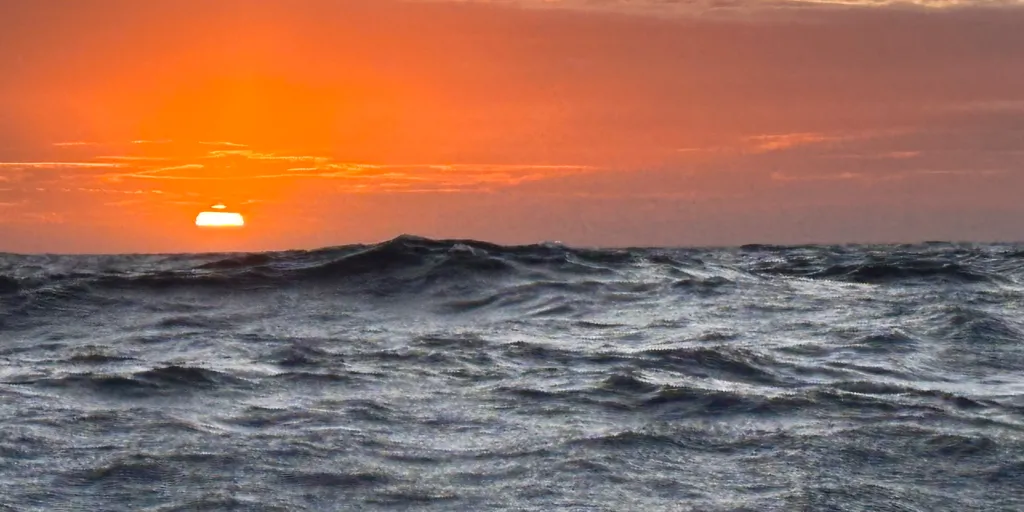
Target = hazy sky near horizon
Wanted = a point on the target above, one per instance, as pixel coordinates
(616, 122)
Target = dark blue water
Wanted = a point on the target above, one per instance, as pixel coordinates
(459, 375)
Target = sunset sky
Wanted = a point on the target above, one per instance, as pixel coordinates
(616, 122)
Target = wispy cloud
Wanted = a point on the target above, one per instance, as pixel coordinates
(776, 142)
(94, 190)
(73, 144)
(380, 177)
(60, 165)
(254, 155)
(133, 158)
(880, 155)
(30, 217)
(155, 173)
(778, 176)
(239, 164)
(960, 172)
(43, 217)
(181, 167)
(225, 144)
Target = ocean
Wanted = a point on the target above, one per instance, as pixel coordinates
(421, 374)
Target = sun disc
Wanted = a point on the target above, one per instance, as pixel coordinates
(220, 219)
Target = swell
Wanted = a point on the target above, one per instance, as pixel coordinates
(156, 381)
(470, 270)
(628, 391)
(721, 380)
(889, 270)
(405, 260)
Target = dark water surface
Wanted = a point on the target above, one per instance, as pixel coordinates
(446, 375)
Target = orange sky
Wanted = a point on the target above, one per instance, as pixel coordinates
(647, 122)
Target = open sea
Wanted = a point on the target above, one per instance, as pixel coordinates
(422, 374)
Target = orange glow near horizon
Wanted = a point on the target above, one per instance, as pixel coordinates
(220, 219)
(328, 122)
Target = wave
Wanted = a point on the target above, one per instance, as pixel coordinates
(9, 285)
(913, 269)
(152, 382)
(891, 270)
(473, 275)
(405, 258)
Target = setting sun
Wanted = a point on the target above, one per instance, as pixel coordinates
(776, 244)
(220, 219)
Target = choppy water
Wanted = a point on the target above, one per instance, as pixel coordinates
(458, 375)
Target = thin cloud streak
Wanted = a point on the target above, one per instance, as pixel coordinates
(60, 165)
(226, 144)
(130, 158)
(253, 155)
(782, 142)
(73, 144)
(404, 177)
(388, 176)
(788, 140)
(153, 173)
